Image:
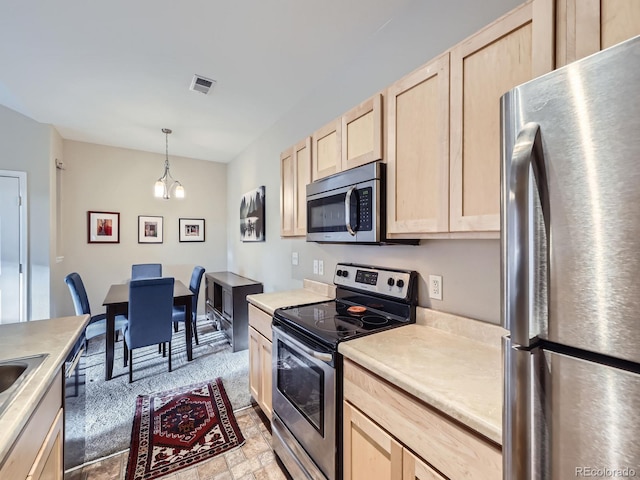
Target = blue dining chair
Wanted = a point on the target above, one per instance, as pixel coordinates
(179, 311)
(150, 312)
(146, 270)
(98, 323)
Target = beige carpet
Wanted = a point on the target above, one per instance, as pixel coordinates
(110, 406)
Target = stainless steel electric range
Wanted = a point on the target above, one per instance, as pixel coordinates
(307, 368)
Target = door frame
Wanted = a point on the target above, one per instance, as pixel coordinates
(24, 266)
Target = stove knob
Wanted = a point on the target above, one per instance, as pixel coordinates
(400, 283)
(339, 273)
(391, 282)
(345, 273)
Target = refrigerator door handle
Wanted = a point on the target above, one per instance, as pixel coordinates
(521, 272)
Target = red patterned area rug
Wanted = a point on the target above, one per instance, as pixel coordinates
(178, 428)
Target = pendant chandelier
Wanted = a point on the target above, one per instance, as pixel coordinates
(166, 183)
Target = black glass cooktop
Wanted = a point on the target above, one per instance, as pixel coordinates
(336, 321)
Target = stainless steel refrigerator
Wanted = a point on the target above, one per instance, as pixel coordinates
(571, 270)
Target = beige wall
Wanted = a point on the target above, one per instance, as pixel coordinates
(101, 178)
(470, 268)
(25, 148)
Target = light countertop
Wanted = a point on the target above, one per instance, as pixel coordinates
(55, 337)
(456, 375)
(311, 293)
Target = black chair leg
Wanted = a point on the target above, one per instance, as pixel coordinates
(195, 331)
(125, 351)
(159, 348)
(169, 356)
(130, 366)
(175, 326)
(117, 335)
(164, 349)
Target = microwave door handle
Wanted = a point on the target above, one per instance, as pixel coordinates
(347, 211)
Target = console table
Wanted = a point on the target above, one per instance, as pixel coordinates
(226, 305)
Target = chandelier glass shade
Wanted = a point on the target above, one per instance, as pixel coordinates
(166, 184)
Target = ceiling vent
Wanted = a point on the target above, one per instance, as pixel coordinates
(201, 84)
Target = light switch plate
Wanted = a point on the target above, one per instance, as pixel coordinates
(315, 267)
(294, 258)
(320, 267)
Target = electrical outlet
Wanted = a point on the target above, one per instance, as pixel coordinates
(435, 287)
(315, 267)
(320, 267)
(294, 258)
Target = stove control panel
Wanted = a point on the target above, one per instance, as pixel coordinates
(383, 281)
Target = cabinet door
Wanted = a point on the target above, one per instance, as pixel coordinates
(362, 133)
(512, 50)
(255, 364)
(302, 172)
(266, 375)
(48, 464)
(370, 453)
(326, 150)
(587, 26)
(227, 303)
(415, 469)
(287, 193)
(417, 120)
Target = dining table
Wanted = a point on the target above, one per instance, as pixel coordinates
(117, 303)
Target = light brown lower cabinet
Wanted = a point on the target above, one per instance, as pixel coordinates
(260, 371)
(370, 453)
(49, 461)
(38, 452)
(389, 434)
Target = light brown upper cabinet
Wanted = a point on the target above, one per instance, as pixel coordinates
(349, 141)
(302, 162)
(362, 133)
(287, 186)
(295, 174)
(327, 150)
(417, 151)
(512, 50)
(587, 26)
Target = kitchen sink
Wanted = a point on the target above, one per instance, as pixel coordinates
(14, 373)
(10, 373)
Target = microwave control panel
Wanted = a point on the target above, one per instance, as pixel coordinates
(392, 283)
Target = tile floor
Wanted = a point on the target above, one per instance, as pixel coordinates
(252, 461)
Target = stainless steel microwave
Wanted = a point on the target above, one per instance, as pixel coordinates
(347, 207)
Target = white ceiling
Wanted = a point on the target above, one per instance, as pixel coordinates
(116, 72)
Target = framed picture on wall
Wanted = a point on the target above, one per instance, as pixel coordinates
(191, 229)
(103, 227)
(149, 229)
(252, 216)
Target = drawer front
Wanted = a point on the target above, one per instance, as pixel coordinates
(260, 320)
(446, 444)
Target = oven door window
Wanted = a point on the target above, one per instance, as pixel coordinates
(302, 384)
(327, 214)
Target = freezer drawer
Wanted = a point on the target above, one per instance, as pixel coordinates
(566, 417)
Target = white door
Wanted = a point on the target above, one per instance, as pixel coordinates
(12, 291)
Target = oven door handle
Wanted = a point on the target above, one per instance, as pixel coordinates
(347, 211)
(322, 356)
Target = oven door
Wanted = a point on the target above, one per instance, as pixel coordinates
(304, 396)
(347, 214)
